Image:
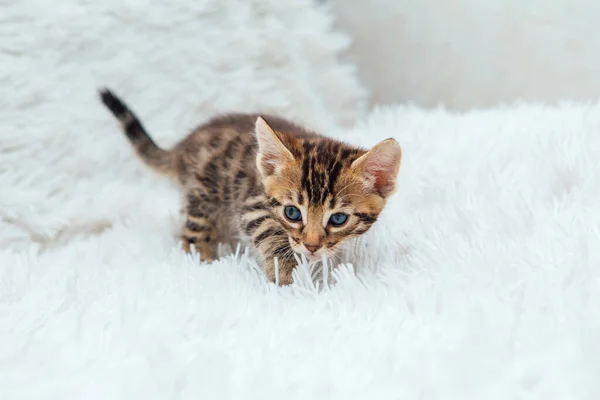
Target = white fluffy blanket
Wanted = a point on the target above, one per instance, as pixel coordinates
(481, 280)
(466, 53)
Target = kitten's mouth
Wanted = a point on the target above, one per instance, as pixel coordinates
(313, 257)
(309, 255)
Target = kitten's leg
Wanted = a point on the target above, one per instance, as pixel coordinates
(199, 230)
(286, 267)
(267, 237)
(271, 241)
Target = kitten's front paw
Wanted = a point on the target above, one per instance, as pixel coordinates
(285, 272)
(204, 250)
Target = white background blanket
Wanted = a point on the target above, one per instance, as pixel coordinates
(474, 53)
(479, 281)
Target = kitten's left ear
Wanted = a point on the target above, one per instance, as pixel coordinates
(379, 167)
(272, 153)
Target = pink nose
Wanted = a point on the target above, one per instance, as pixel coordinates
(312, 247)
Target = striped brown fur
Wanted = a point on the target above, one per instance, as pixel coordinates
(244, 174)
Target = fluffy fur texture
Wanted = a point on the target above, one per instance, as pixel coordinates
(275, 187)
(480, 280)
(179, 63)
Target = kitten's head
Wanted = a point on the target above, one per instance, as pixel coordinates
(324, 191)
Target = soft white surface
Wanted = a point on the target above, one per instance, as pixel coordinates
(474, 53)
(176, 63)
(481, 280)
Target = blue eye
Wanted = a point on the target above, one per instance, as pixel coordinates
(338, 219)
(292, 213)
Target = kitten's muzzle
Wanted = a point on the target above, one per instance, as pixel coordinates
(312, 247)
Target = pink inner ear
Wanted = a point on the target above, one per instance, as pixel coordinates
(270, 161)
(382, 170)
(381, 180)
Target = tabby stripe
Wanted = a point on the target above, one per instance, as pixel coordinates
(215, 141)
(304, 170)
(230, 149)
(362, 230)
(193, 200)
(282, 253)
(239, 177)
(273, 202)
(249, 151)
(208, 183)
(333, 175)
(195, 213)
(366, 218)
(312, 172)
(255, 223)
(345, 154)
(266, 234)
(254, 214)
(194, 227)
(305, 163)
(254, 206)
(195, 236)
(322, 189)
(190, 239)
(254, 199)
(227, 190)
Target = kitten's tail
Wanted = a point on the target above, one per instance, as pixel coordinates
(158, 159)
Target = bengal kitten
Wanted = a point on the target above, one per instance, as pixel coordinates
(270, 184)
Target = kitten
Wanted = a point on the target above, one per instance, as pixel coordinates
(270, 184)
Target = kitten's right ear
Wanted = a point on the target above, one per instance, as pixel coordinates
(379, 167)
(272, 153)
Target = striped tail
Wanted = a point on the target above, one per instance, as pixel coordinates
(158, 159)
